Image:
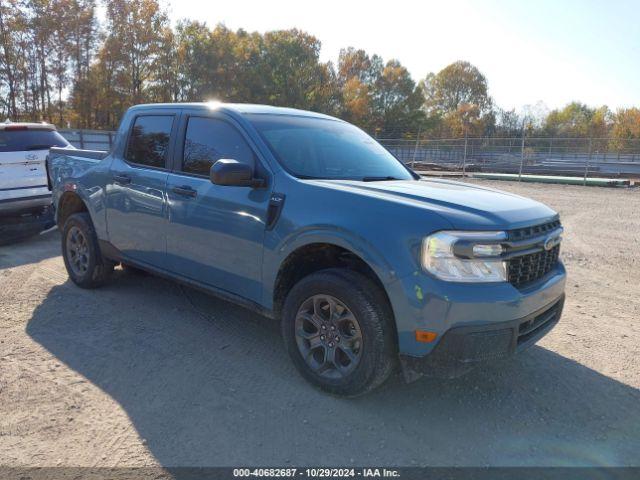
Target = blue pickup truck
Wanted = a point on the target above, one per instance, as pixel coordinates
(305, 218)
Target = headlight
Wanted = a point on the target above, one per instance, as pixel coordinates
(457, 256)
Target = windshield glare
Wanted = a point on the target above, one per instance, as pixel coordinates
(311, 147)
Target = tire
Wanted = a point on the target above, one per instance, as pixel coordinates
(372, 344)
(82, 258)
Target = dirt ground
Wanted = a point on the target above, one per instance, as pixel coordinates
(146, 372)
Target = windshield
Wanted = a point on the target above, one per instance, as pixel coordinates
(311, 147)
(31, 139)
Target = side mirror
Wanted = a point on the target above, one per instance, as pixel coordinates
(232, 173)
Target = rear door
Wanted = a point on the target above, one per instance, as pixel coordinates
(216, 233)
(136, 191)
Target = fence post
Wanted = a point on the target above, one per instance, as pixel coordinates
(110, 141)
(586, 167)
(81, 140)
(415, 150)
(464, 159)
(521, 157)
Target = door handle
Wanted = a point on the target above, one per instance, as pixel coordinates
(122, 179)
(185, 191)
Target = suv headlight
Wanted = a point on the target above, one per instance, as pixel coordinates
(465, 256)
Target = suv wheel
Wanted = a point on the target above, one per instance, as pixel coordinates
(85, 265)
(338, 329)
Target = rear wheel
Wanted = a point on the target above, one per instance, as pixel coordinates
(338, 329)
(85, 265)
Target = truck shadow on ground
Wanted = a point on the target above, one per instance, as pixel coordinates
(207, 383)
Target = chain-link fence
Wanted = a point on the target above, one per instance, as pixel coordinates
(588, 157)
(577, 157)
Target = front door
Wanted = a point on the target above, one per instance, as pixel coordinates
(136, 192)
(215, 232)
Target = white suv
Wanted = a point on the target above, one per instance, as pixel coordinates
(25, 200)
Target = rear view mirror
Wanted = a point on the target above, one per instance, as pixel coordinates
(231, 173)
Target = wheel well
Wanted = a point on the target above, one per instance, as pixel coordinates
(69, 204)
(315, 257)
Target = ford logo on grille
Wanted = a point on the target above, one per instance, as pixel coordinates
(551, 242)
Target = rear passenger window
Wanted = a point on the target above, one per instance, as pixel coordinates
(149, 140)
(208, 140)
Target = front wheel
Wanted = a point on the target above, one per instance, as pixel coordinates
(85, 265)
(338, 329)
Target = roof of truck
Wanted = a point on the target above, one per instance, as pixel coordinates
(239, 108)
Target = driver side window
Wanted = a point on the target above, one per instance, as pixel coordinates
(207, 140)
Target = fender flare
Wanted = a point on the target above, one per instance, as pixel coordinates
(328, 234)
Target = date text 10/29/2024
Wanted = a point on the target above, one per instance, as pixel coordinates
(316, 472)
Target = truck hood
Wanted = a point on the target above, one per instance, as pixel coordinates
(464, 205)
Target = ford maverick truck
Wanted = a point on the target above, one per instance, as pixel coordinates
(305, 218)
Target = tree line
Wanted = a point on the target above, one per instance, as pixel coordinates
(59, 63)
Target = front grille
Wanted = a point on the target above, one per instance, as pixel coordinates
(529, 268)
(525, 269)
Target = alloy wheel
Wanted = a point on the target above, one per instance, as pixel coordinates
(77, 251)
(328, 336)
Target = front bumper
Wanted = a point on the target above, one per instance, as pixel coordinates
(421, 302)
(462, 348)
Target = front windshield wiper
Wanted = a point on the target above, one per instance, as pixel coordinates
(378, 179)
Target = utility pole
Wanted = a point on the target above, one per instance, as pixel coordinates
(464, 159)
(415, 150)
(586, 167)
(521, 154)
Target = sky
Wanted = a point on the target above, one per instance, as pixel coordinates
(545, 51)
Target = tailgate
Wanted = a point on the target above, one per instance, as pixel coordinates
(22, 170)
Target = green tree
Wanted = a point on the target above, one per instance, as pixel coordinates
(508, 123)
(294, 75)
(625, 127)
(193, 52)
(457, 101)
(397, 101)
(163, 86)
(12, 22)
(357, 63)
(578, 120)
(51, 47)
(455, 85)
(130, 60)
(83, 38)
(357, 75)
(381, 98)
